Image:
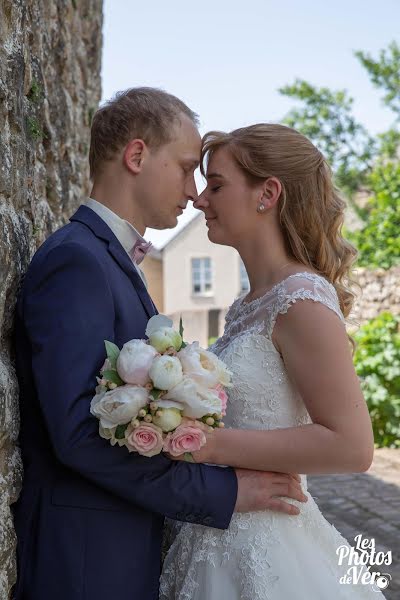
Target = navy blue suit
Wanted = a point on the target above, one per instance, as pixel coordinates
(89, 518)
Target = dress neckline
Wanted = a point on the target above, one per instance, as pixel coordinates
(243, 304)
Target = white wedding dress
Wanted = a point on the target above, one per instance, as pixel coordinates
(263, 555)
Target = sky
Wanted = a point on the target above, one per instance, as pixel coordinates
(227, 58)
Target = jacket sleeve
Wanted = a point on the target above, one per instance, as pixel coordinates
(68, 312)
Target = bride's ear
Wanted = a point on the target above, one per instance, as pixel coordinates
(272, 190)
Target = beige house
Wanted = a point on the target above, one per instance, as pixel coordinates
(194, 278)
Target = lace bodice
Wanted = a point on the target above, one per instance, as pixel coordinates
(259, 316)
(262, 397)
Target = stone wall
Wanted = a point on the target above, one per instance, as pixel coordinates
(49, 88)
(379, 291)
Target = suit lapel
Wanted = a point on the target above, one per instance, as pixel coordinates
(119, 254)
(89, 218)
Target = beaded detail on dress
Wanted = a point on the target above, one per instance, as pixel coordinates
(262, 397)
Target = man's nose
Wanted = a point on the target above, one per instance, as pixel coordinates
(191, 191)
(201, 203)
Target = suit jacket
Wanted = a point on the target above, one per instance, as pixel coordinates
(90, 516)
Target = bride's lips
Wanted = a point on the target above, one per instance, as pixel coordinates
(209, 220)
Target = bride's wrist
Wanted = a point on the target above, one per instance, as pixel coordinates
(212, 447)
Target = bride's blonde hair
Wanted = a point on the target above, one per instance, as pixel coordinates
(311, 208)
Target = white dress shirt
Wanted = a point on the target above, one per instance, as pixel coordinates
(125, 233)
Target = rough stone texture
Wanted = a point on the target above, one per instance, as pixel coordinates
(49, 87)
(380, 291)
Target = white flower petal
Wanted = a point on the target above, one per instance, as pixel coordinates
(156, 322)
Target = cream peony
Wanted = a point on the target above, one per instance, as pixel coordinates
(157, 322)
(165, 337)
(169, 419)
(134, 362)
(166, 372)
(203, 366)
(118, 406)
(194, 400)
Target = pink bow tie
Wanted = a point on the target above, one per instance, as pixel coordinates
(139, 251)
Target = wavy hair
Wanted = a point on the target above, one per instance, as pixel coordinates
(310, 207)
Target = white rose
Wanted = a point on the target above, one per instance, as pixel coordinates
(119, 406)
(166, 372)
(170, 419)
(195, 400)
(165, 337)
(203, 366)
(134, 362)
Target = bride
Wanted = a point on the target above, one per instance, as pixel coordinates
(296, 405)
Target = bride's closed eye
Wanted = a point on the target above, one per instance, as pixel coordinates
(215, 188)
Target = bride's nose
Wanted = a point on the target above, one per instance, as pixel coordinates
(201, 202)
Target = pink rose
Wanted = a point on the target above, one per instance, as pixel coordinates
(147, 439)
(185, 438)
(223, 396)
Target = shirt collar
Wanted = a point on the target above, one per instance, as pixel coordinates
(125, 233)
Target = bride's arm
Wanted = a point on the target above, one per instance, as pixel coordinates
(316, 352)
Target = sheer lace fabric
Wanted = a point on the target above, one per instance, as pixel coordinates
(262, 555)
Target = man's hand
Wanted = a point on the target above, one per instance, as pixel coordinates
(258, 490)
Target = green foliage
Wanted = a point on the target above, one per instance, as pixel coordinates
(385, 74)
(325, 117)
(377, 363)
(112, 351)
(36, 93)
(156, 394)
(112, 375)
(389, 144)
(181, 333)
(91, 112)
(34, 128)
(120, 431)
(378, 241)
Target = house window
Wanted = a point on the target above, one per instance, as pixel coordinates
(244, 280)
(201, 276)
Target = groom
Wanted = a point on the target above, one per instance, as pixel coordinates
(90, 516)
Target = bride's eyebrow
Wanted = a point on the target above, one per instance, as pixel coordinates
(213, 175)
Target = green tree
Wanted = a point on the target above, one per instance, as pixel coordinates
(359, 161)
(385, 74)
(325, 116)
(377, 363)
(378, 241)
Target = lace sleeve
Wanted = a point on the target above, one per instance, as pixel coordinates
(306, 286)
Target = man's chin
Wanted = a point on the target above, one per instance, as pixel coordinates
(171, 224)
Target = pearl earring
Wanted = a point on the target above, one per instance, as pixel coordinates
(261, 208)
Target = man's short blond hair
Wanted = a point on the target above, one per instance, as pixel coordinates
(144, 113)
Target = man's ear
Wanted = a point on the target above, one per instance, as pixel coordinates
(272, 190)
(133, 155)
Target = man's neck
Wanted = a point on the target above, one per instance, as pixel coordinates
(119, 204)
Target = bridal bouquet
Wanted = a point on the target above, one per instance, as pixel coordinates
(161, 394)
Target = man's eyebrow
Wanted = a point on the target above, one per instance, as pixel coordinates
(193, 161)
